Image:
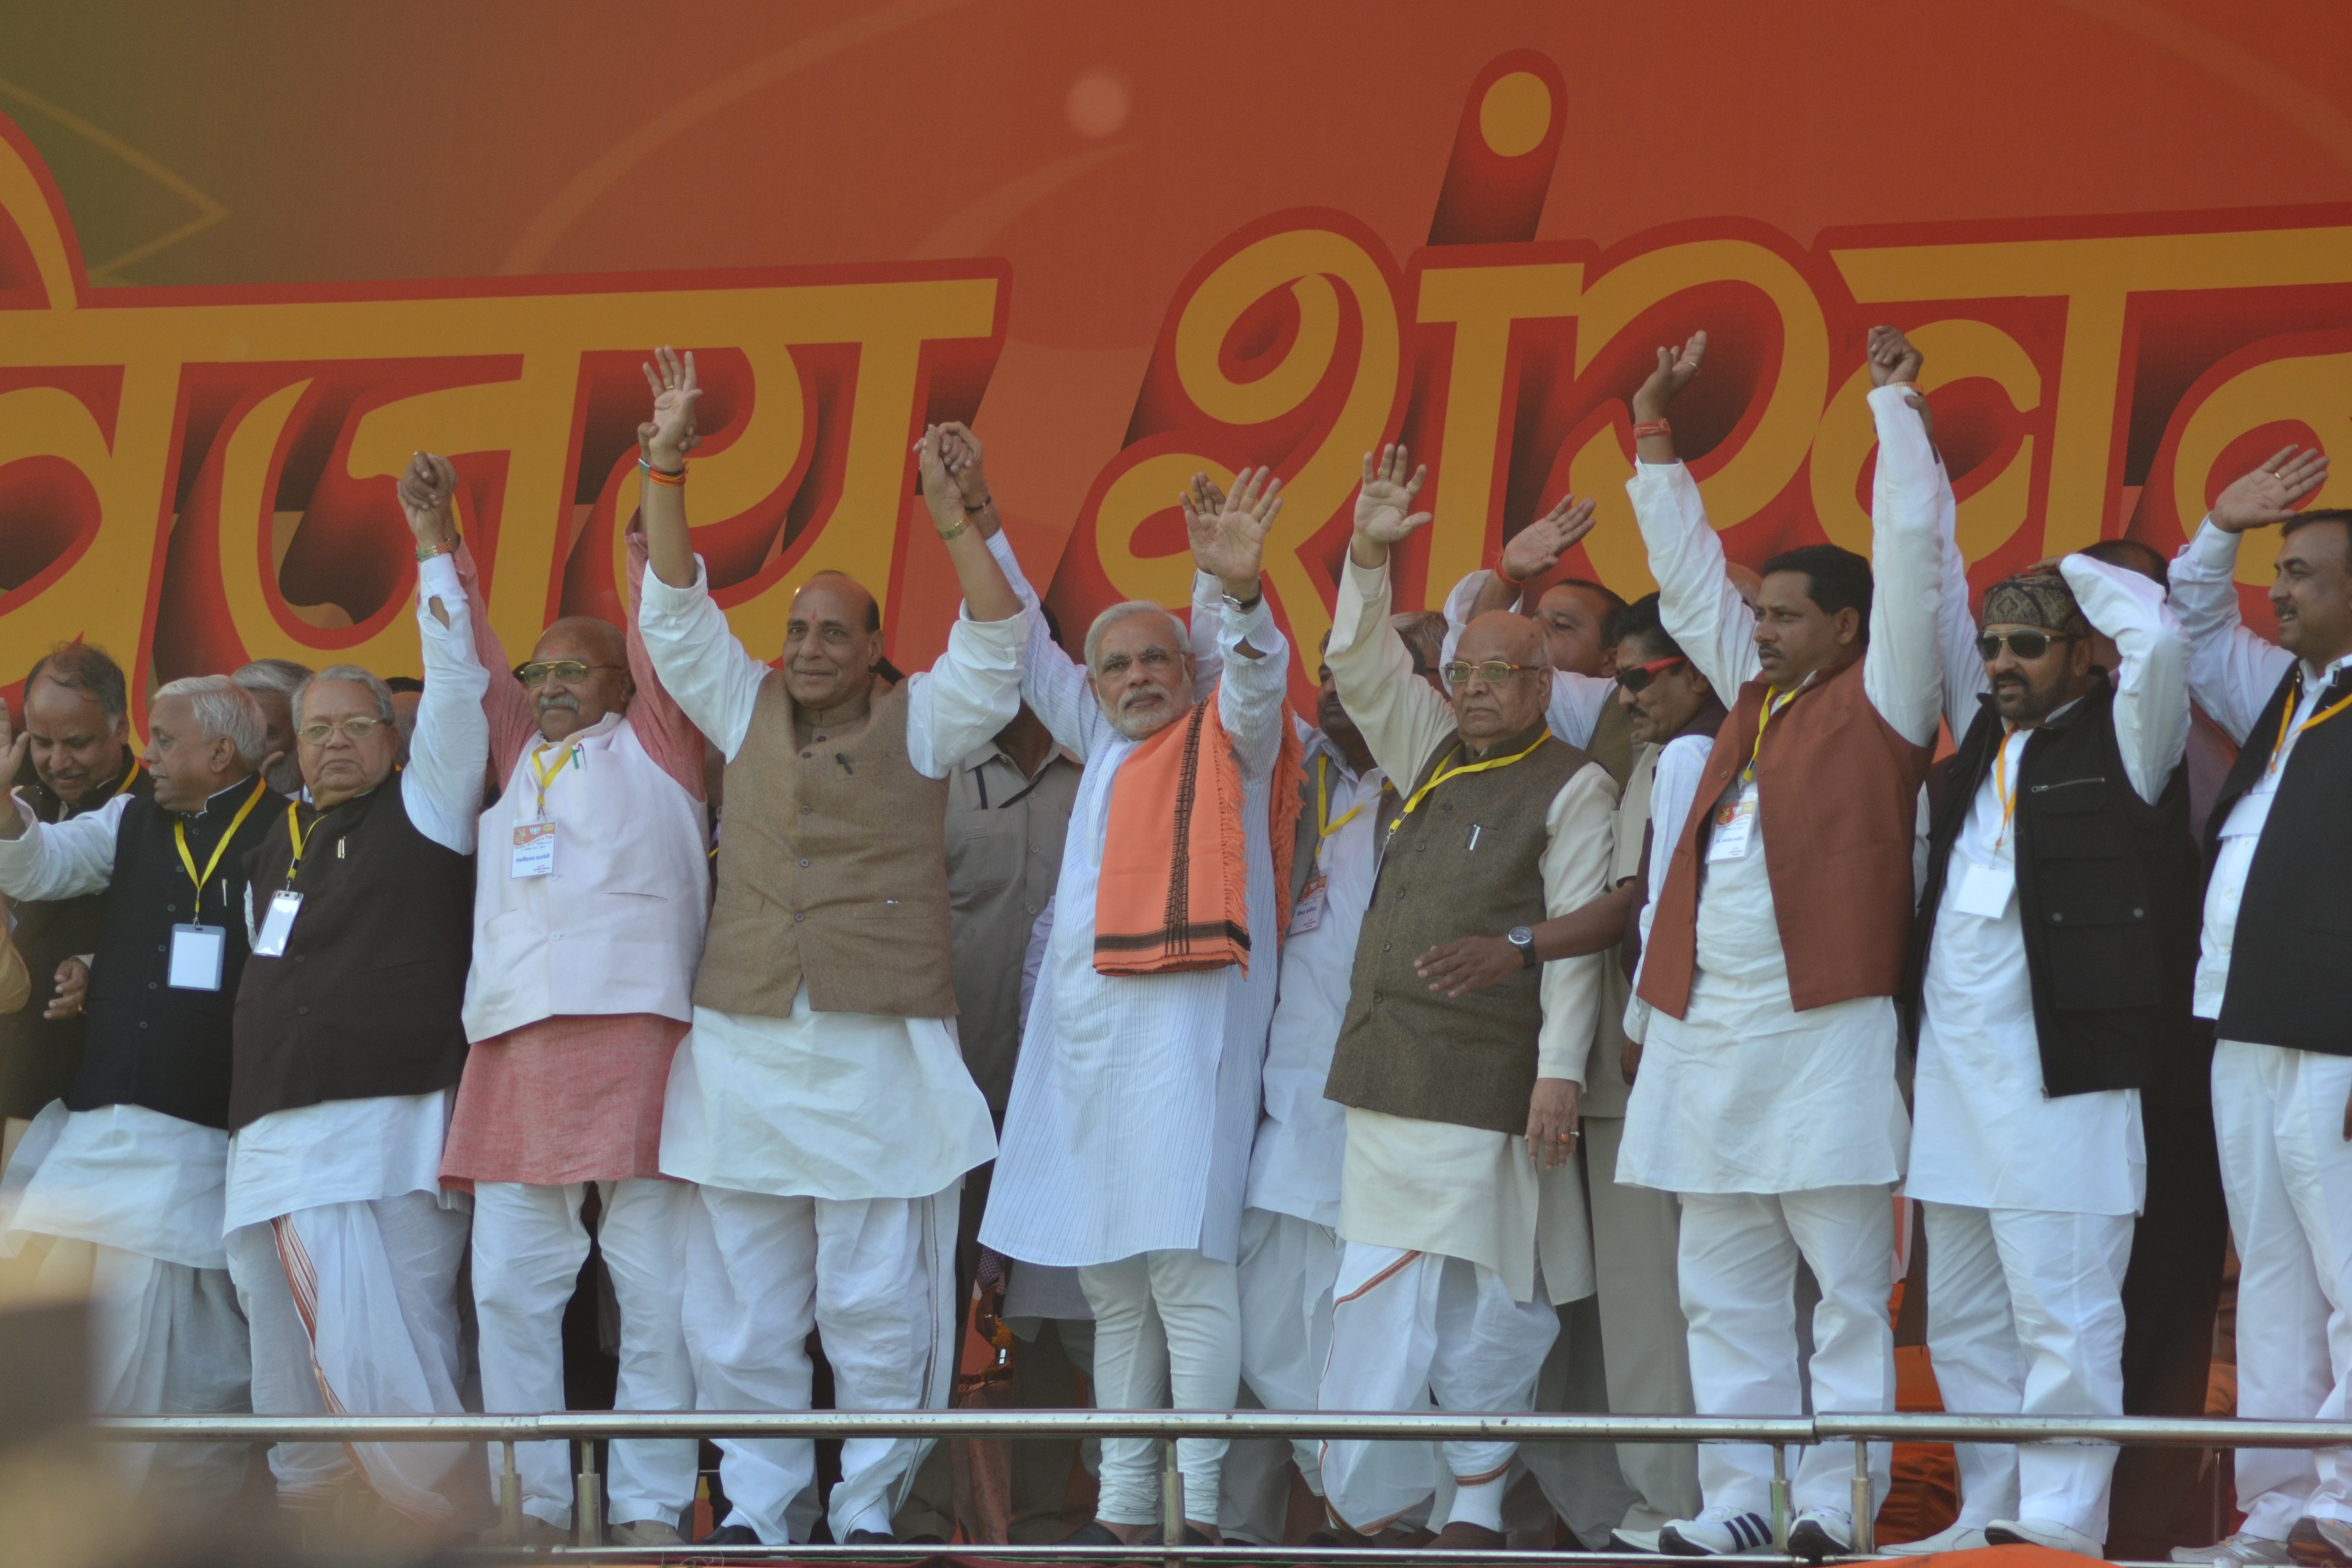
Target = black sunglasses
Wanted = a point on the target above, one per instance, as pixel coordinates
(2024, 645)
(1637, 677)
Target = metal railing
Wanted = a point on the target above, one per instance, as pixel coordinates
(585, 1428)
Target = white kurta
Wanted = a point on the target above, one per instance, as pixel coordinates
(1302, 1137)
(1135, 1097)
(121, 1176)
(1733, 1096)
(1433, 1186)
(830, 1105)
(1986, 1135)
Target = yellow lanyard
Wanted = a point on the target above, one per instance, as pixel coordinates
(294, 832)
(1443, 773)
(1772, 704)
(2287, 718)
(2001, 792)
(128, 778)
(546, 775)
(180, 832)
(1324, 826)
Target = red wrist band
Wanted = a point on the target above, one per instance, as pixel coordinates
(1651, 428)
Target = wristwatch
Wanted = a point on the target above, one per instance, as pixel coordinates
(1523, 940)
(1243, 607)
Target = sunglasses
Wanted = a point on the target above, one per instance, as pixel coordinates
(2024, 645)
(1493, 671)
(564, 669)
(1638, 676)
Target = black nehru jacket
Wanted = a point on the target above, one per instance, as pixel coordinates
(40, 1055)
(2107, 895)
(2294, 941)
(149, 1044)
(365, 1002)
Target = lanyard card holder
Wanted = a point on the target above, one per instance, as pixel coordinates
(199, 957)
(278, 925)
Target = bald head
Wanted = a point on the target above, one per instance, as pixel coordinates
(578, 673)
(1490, 703)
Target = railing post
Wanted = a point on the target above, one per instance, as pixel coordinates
(1171, 1495)
(1781, 1498)
(509, 1492)
(587, 1499)
(1865, 1526)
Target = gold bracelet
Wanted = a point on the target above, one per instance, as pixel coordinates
(957, 532)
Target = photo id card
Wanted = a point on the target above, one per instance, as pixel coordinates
(198, 956)
(534, 849)
(1985, 890)
(1307, 912)
(277, 924)
(1734, 829)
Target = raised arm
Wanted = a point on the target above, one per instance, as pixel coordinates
(504, 705)
(59, 859)
(1401, 718)
(668, 735)
(975, 687)
(449, 755)
(1902, 670)
(1230, 545)
(2152, 688)
(2231, 671)
(663, 443)
(1528, 557)
(1701, 609)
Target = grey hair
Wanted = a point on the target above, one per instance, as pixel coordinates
(222, 707)
(1126, 611)
(279, 675)
(358, 677)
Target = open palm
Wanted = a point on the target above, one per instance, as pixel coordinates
(1384, 505)
(1230, 542)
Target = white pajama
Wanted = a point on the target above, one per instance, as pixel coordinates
(528, 1247)
(354, 1308)
(1408, 1328)
(874, 1277)
(2286, 1168)
(2025, 1317)
(1738, 1262)
(1286, 1270)
(1168, 1334)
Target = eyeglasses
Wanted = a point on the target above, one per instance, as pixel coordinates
(1493, 671)
(358, 729)
(2024, 645)
(564, 669)
(1637, 677)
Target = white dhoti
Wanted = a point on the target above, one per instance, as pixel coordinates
(2278, 1115)
(1286, 1270)
(2025, 1317)
(1408, 1328)
(354, 1311)
(873, 1277)
(1167, 1335)
(529, 1245)
(1737, 1269)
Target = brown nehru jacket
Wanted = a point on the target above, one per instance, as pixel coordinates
(831, 870)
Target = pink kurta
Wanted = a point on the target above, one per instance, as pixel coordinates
(576, 1097)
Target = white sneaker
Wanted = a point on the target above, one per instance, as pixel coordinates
(1822, 1533)
(1951, 1538)
(1717, 1533)
(2239, 1551)
(2046, 1533)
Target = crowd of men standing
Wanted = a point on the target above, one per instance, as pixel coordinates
(1645, 956)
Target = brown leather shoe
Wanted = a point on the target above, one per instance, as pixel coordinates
(1463, 1536)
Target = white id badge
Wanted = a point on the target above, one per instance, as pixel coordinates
(1985, 890)
(277, 924)
(534, 850)
(198, 955)
(1734, 829)
(1307, 912)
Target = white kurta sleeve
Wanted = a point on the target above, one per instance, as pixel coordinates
(1457, 610)
(1701, 609)
(2152, 688)
(449, 754)
(1208, 619)
(960, 703)
(2232, 672)
(1400, 716)
(1902, 670)
(1575, 871)
(1249, 696)
(714, 680)
(62, 859)
(1054, 684)
(1956, 626)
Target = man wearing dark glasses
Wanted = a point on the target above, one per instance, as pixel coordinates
(2049, 975)
(1767, 1097)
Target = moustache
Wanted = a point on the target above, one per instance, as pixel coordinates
(558, 699)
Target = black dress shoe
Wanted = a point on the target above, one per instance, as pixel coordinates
(732, 1535)
(871, 1538)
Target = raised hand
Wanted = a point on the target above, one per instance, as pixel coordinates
(1674, 371)
(1384, 513)
(669, 437)
(2271, 493)
(961, 454)
(1230, 542)
(425, 488)
(939, 490)
(1537, 547)
(1890, 357)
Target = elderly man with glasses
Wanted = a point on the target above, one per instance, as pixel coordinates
(1461, 1207)
(589, 907)
(343, 1243)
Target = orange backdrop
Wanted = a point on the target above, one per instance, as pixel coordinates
(251, 255)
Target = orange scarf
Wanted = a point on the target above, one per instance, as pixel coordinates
(1174, 892)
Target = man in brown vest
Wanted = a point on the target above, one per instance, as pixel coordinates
(1767, 1097)
(820, 1098)
(1461, 1203)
